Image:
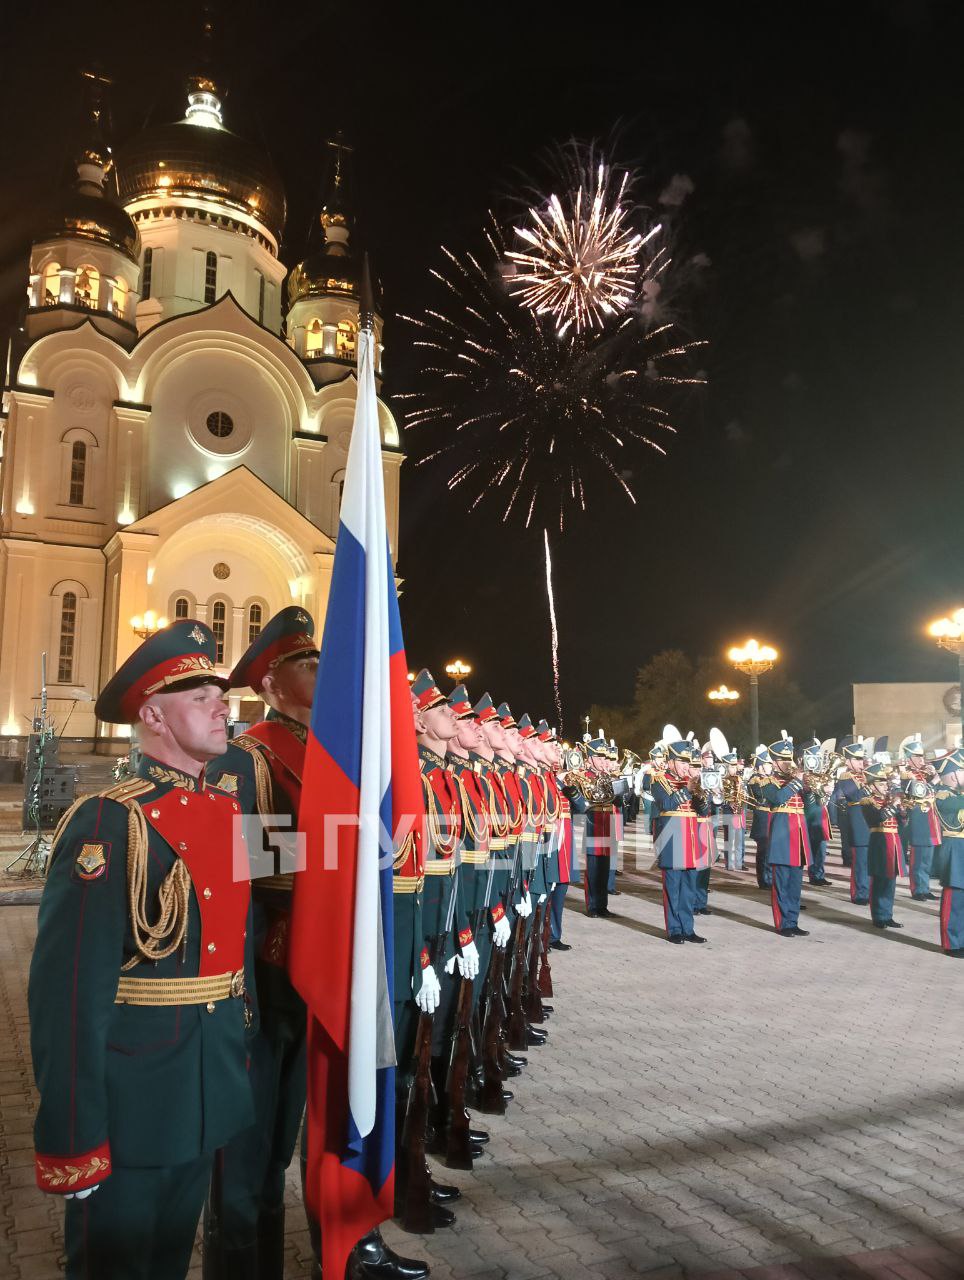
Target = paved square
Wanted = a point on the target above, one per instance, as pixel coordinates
(793, 1105)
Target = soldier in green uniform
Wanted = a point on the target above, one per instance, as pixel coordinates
(244, 1224)
(138, 1008)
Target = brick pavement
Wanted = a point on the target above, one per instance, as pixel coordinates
(754, 1107)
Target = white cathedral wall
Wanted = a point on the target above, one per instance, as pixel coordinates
(180, 247)
(35, 578)
(184, 454)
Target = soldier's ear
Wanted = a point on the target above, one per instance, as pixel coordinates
(150, 716)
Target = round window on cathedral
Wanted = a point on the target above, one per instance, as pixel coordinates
(220, 424)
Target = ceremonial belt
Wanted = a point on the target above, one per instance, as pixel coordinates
(440, 867)
(497, 842)
(890, 831)
(786, 808)
(180, 991)
(476, 857)
(285, 881)
(953, 835)
(407, 884)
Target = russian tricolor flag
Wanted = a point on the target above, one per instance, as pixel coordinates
(361, 788)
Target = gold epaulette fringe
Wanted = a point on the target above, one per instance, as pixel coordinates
(120, 791)
(262, 774)
(157, 940)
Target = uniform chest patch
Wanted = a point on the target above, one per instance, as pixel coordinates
(228, 782)
(91, 862)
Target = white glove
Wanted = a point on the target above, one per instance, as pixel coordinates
(527, 903)
(469, 961)
(429, 992)
(82, 1195)
(501, 932)
(524, 906)
(552, 886)
(542, 898)
(450, 965)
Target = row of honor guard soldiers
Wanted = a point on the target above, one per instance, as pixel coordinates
(169, 1043)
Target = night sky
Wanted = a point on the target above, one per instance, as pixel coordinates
(813, 495)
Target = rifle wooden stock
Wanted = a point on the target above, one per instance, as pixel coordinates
(489, 1098)
(416, 1213)
(458, 1146)
(516, 1031)
(545, 971)
(533, 1001)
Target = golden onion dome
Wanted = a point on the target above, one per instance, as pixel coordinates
(81, 215)
(330, 270)
(198, 157)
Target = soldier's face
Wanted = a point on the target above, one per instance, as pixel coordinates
(295, 681)
(195, 718)
(468, 734)
(440, 721)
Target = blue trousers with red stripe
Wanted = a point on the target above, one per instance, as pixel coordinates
(919, 860)
(882, 891)
(679, 896)
(952, 919)
(763, 876)
(859, 875)
(596, 880)
(818, 854)
(785, 895)
(701, 896)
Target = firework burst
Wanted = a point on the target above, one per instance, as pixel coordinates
(523, 416)
(582, 259)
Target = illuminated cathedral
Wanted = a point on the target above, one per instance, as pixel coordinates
(179, 409)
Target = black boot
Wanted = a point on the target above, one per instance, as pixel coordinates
(371, 1259)
(271, 1244)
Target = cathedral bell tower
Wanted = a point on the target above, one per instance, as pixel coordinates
(84, 259)
(324, 289)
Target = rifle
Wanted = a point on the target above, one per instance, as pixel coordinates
(533, 1000)
(489, 1097)
(416, 1209)
(545, 971)
(458, 1146)
(417, 1212)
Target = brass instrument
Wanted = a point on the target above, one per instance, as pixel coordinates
(630, 762)
(595, 788)
(734, 792)
(820, 772)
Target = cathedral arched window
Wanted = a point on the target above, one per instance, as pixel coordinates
(87, 287)
(65, 634)
(78, 451)
(182, 608)
(118, 297)
(255, 621)
(210, 276)
(345, 339)
(314, 339)
(261, 289)
(147, 271)
(78, 473)
(50, 294)
(68, 634)
(219, 625)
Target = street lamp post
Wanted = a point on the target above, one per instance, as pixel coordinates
(949, 634)
(753, 660)
(147, 624)
(723, 696)
(458, 670)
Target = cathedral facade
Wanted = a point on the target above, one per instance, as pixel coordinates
(178, 411)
